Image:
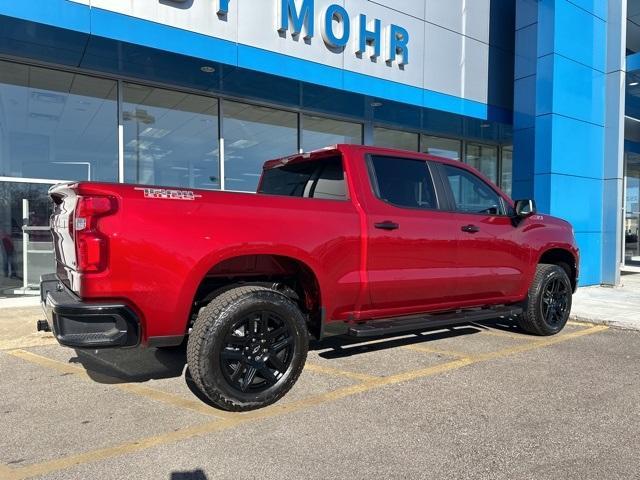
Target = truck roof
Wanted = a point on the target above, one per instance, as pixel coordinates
(354, 149)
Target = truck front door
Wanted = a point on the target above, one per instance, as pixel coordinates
(491, 256)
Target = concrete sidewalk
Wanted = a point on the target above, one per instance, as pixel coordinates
(614, 306)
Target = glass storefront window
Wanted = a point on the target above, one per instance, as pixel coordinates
(632, 209)
(170, 138)
(57, 125)
(39, 250)
(319, 132)
(384, 137)
(483, 158)
(253, 135)
(441, 147)
(506, 181)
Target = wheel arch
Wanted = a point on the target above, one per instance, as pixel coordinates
(293, 275)
(563, 258)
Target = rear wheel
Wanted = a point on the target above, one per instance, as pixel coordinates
(549, 301)
(247, 348)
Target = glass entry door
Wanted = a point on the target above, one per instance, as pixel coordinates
(632, 210)
(26, 249)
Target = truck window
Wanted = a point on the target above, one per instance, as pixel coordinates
(404, 182)
(471, 193)
(322, 179)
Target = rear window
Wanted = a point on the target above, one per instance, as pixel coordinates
(314, 179)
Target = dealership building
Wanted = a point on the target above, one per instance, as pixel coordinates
(542, 96)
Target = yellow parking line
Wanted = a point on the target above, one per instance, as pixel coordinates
(548, 341)
(336, 372)
(279, 409)
(6, 471)
(417, 347)
(147, 392)
(580, 323)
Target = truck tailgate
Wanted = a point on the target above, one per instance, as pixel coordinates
(65, 200)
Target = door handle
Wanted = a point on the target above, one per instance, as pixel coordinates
(470, 229)
(387, 225)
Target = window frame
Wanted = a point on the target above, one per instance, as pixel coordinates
(375, 187)
(451, 202)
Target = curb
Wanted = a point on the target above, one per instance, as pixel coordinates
(617, 324)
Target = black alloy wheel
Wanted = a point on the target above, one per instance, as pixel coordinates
(257, 352)
(555, 300)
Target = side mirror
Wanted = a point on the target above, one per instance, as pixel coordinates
(525, 208)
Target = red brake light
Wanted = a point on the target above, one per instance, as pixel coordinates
(91, 245)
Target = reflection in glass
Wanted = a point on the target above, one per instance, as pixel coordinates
(57, 125)
(322, 132)
(441, 147)
(471, 194)
(40, 256)
(507, 170)
(170, 138)
(384, 137)
(485, 159)
(252, 136)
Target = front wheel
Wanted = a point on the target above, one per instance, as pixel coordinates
(247, 348)
(549, 301)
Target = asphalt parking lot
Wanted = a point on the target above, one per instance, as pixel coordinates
(475, 401)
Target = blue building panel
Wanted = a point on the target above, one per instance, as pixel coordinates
(577, 199)
(137, 31)
(56, 13)
(526, 13)
(597, 8)
(574, 28)
(571, 89)
(524, 101)
(576, 147)
(590, 245)
(38, 41)
(527, 56)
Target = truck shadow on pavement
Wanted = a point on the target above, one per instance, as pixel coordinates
(138, 366)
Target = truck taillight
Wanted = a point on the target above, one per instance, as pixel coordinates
(91, 245)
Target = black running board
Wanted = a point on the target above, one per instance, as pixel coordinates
(390, 326)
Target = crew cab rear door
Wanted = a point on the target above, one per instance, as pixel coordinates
(411, 248)
(492, 259)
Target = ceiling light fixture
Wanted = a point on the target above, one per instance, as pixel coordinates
(207, 69)
(633, 84)
(376, 104)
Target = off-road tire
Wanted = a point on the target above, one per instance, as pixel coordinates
(533, 319)
(207, 340)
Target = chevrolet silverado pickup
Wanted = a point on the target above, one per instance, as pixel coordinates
(347, 240)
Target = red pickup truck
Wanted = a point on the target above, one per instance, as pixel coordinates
(351, 240)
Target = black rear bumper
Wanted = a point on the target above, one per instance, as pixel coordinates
(81, 324)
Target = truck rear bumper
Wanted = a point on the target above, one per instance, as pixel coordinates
(79, 324)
